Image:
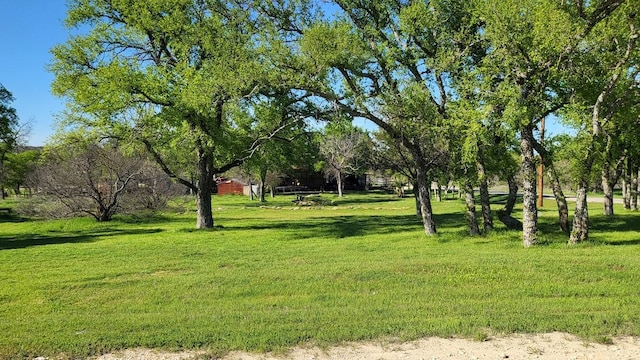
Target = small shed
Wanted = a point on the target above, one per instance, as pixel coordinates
(235, 187)
(230, 187)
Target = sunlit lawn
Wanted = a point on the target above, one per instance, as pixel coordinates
(274, 275)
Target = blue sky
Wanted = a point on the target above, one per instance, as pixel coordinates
(29, 29)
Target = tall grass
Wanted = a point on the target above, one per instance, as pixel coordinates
(274, 275)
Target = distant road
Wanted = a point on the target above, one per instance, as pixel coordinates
(590, 198)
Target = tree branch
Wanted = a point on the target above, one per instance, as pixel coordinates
(160, 161)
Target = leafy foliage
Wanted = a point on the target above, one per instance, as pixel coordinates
(19, 168)
(181, 77)
(8, 132)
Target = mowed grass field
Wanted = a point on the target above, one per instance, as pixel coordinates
(272, 276)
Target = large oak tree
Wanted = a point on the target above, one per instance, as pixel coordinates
(179, 76)
(390, 62)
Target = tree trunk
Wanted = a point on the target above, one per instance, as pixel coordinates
(607, 188)
(512, 197)
(263, 176)
(203, 194)
(580, 229)
(417, 198)
(611, 171)
(504, 215)
(425, 201)
(272, 190)
(3, 158)
(626, 183)
(438, 192)
(340, 185)
(262, 189)
(529, 175)
(634, 188)
(105, 215)
(470, 213)
(485, 201)
(561, 201)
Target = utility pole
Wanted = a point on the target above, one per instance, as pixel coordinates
(541, 169)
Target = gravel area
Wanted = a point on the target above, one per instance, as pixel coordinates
(554, 346)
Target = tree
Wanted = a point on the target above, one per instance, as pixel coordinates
(558, 193)
(390, 62)
(152, 189)
(390, 157)
(341, 148)
(88, 178)
(473, 125)
(621, 145)
(629, 183)
(19, 166)
(8, 132)
(178, 76)
(291, 147)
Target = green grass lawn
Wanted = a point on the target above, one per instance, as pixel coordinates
(271, 276)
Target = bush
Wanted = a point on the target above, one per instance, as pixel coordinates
(97, 180)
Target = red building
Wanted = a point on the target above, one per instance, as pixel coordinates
(230, 187)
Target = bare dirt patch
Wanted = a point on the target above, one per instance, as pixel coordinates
(550, 346)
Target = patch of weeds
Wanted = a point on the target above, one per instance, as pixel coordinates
(210, 355)
(534, 350)
(604, 340)
(481, 336)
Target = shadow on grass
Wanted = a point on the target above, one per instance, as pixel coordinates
(21, 241)
(611, 228)
(618, 223)
(346, 226)
(11, 218)
(359, 201)
(622, 242)
(331, 200)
